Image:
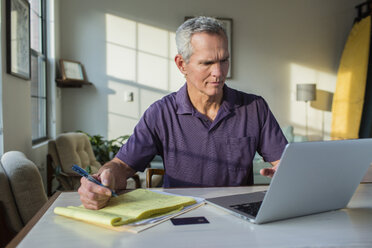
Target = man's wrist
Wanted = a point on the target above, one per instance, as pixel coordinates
(120, 171)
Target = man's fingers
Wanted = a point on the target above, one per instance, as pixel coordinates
(90, 187)
(90, 204)
(93, 196)
(107, 179)
(93, 191)
(267, 172)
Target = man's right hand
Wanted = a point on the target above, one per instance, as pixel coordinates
(114, 175)
(94, 196)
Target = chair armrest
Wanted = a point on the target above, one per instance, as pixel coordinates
(149, 173)
(137, 180)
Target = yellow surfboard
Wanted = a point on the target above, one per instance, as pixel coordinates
(348, 98)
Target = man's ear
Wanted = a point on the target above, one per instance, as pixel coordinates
(181, 64)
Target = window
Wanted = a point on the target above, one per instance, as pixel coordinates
(38, 71)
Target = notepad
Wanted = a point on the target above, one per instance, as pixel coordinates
(128, 208)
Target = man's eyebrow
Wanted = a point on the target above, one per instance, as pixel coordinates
(211, 61)
(214, 60)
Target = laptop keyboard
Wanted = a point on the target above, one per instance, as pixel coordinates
(248, 208)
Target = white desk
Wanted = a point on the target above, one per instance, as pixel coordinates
(351, 227)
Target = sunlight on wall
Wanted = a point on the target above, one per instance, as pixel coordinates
(120, 48)
(120, 31)
(120, 112)
(140, 60)
(119, 67)
(142, 54)
(319, 122)
(153, 56)
(153, 40)
(116, 102)
(152, 71)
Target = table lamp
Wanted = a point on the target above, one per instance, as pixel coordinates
(305, 93)
(323, 103)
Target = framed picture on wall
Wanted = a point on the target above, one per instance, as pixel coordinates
(72, 70)
(18, 38)
(227, 22)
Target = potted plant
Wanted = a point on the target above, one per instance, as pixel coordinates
(103, 149)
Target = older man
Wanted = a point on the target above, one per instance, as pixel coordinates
(206, 133)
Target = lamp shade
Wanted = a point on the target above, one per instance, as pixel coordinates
(306, 92)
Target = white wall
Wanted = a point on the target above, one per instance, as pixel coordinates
(276, 45)
(16, 104)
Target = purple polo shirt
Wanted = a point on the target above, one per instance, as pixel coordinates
(197, 152)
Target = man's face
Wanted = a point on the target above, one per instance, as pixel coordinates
(208, 65)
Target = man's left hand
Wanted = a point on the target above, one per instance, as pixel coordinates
(269, 172)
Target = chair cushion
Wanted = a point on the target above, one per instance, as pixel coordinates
(25, 182)
(75, 148)
(7, 200)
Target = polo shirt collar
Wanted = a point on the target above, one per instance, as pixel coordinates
(230, 101)
(184, 106)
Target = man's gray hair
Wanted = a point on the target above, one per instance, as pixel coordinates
(196, 25)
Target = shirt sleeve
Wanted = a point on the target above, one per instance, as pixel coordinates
(272, 140)
(141, 146)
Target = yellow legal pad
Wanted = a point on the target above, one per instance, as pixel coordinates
(131, 207)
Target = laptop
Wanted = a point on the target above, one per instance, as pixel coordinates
(312, 177)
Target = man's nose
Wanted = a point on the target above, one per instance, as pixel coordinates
(216, 70)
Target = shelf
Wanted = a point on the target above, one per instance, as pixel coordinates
(71, 83)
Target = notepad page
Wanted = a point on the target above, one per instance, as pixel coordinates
(130, 207)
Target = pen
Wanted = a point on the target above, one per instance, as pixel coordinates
(85, 174)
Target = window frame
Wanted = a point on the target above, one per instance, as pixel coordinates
(42, 56)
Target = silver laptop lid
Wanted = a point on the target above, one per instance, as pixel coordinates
(315, 177)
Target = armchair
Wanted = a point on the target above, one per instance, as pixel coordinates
(10, 222)
(65, 150)
(22, 194)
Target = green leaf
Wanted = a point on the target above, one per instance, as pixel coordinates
(105, 150)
